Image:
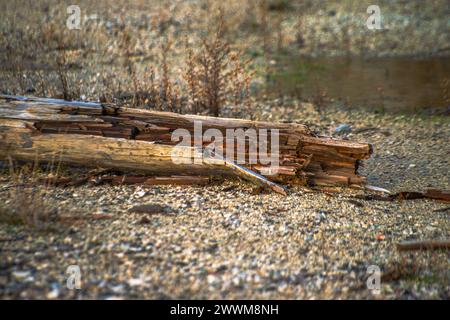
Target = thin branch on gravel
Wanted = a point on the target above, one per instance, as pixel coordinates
(434, 194)
(442, 209)
(423, 245)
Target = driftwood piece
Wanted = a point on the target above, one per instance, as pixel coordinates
(91, 134)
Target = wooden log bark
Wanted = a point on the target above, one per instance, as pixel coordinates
(91, 134)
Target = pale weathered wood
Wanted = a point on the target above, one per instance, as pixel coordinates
(92, 134)
(121, 154)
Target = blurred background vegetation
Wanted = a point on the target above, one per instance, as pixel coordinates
(204, 56)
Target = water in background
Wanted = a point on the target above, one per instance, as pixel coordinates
(382, 84)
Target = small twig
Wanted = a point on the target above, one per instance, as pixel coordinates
(365, 129)
(442, 209)
(439, 195)
(423, 245)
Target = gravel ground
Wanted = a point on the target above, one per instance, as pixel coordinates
(226, 241)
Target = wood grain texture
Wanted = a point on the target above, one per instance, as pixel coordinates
(91, 134)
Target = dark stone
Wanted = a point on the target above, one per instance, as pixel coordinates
(151, 208)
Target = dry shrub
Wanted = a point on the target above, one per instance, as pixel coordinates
(169, 97)
(215, 74)
(70, 90)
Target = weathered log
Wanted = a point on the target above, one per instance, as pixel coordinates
(91, 134)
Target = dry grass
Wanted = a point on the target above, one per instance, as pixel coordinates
(215, 74)
(196, 65)
(27, 206)
(28, 202)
